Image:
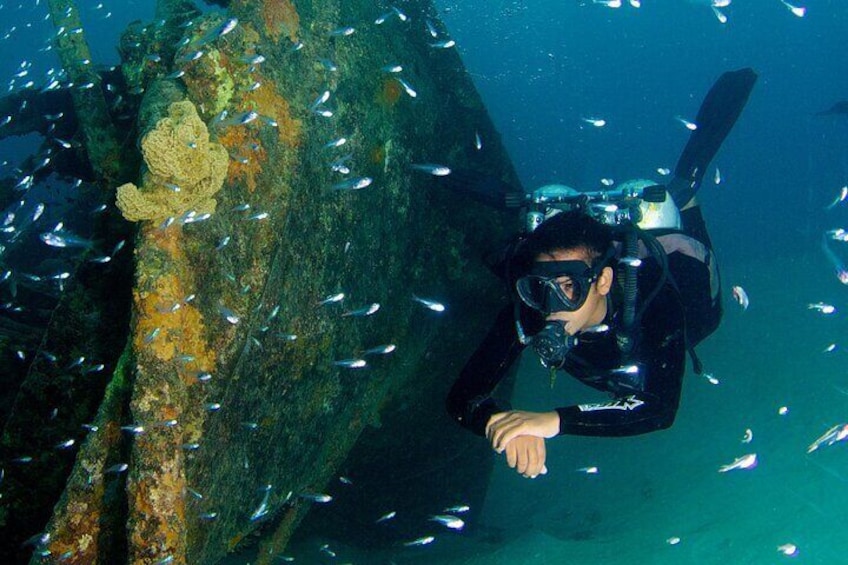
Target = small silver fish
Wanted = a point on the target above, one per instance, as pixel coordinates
(431, 169)
(328, 65)
(431, 28)
(364, 311)
(193, 56)
(227, 27)
(353, 184)
(64, 239)
(351, 363)
(740, 296)
(223, 243)
(745, 462)
(242, 119)
(154, 333)
(458, 509)
(262, 510)
(118, 468)
(449, 521)
(316, 497)
(420, 541)
(446, 44)
(385, 517)
(407, 88)
(392, 69)
(228, 314)
(118, 247)
(342, 31)
(401, 16)
(335, 143)
(253, 59)
(380, 349)
(429, 304)
(322, 98)
(839, 432)
(203, 376)
(630, 261)
(340, 166)
(39, 210)
(332, 299)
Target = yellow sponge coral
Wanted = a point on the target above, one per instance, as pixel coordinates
(184, 169)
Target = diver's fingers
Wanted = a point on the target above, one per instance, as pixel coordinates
(511, 456)
(523, 459)
(493, 420)
(537, 459)
(506, 434)
(532, 468)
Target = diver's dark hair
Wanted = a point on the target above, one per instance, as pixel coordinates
(570, 230)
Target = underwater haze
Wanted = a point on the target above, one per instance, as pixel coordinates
(546, 69)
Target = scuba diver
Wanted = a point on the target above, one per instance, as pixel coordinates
(614, 287)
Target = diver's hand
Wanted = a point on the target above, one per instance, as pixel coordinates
(503, 427)
(526, 454)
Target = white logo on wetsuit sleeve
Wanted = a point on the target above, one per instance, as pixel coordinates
(629, 403)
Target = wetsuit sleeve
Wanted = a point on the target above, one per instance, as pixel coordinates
(470, 402)
(647, 401)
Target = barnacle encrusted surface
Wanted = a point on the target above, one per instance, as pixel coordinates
(184, 169)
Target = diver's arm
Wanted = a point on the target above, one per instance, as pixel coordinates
(469, 402)
(661, 358)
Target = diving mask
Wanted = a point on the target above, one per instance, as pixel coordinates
(559, 286)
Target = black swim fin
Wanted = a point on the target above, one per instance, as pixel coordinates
(716, 117)
(483, 188)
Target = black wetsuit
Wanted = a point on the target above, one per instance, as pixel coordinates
(643, 401)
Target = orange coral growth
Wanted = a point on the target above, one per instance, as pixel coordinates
(268, 102)
(167, 326)
(242, 142)
(248, 154)
(281, 18)
(389, 93)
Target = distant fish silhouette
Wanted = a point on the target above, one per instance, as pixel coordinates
(838, 108)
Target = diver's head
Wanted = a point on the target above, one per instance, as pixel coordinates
(570, 275)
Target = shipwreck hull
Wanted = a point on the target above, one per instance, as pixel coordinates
(236, 397)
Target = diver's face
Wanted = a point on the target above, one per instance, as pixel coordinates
(593, 311)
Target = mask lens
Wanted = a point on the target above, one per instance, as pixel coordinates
(533, 291)
(545, 294)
